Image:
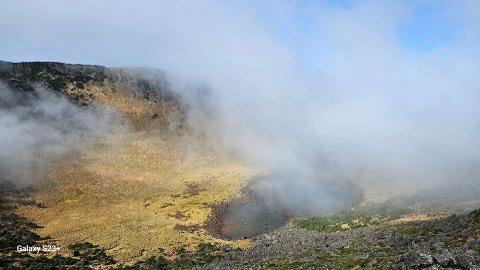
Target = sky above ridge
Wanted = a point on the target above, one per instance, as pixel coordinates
(141, 32)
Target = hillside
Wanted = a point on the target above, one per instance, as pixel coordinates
(121, 181)
(142, 95)
(146, 185)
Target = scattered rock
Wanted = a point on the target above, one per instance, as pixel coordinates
(445, 259)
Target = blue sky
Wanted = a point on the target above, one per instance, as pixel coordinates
(419, 27)
(422, 28)
(428, 29)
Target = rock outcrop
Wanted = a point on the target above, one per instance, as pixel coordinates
(142, 95)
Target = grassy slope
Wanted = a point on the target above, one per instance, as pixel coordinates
(130, 193)
(146, 187)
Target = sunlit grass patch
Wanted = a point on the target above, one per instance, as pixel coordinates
(134, 194)
(355, 217)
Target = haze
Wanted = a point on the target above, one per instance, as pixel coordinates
(362, 93)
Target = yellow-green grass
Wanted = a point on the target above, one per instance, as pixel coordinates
(130, 192)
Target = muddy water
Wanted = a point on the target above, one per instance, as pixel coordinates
(248, 219)
(245, 217)
(269, 201)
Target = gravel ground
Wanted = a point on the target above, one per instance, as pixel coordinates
(446, 243)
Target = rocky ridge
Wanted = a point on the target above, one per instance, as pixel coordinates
(144, 96)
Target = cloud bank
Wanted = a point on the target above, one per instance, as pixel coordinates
(321, 93)
(38, 126)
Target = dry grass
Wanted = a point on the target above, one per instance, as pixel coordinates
(414, 217)
(132, 193)
(138, 191)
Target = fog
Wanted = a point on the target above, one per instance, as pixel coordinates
(40, 126)
(329, 97)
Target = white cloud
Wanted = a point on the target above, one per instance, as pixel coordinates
(367, 103)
